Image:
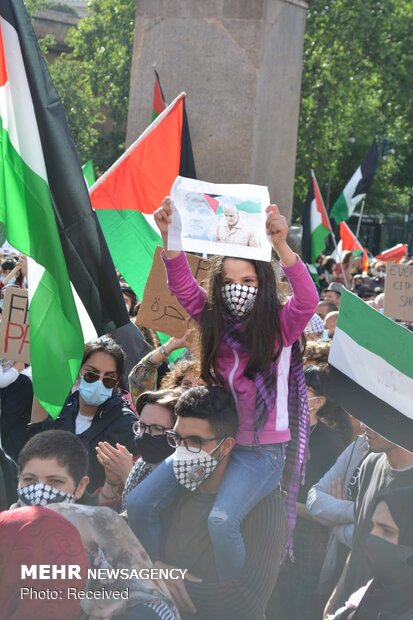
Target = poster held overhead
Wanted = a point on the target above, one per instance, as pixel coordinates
(228, 220)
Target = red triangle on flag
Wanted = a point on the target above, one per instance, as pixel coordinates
(320, 204)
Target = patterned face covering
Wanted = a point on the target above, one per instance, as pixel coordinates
(191, 468)
(239, 298)
(40, 494)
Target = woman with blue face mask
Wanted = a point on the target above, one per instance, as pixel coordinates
(96, 411)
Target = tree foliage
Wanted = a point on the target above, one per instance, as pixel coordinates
(93, 78)
(103, 42)
(357, 83)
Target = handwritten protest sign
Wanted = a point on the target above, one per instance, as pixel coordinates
(14, 329)
(228, 220)
(398, 292)
(160, 310)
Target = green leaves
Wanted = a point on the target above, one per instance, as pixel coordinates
(357, 82)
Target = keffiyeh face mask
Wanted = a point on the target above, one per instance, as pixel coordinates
(191, 469)
(40, 494)
(239, 298)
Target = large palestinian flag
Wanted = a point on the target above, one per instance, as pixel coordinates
(356, 188)
(315, 223)
(372, 374)
(45, 206)
(127, 195)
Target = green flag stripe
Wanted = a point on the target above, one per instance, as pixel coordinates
(376, 333)
(340, 209)
(318, 241)
(26, 208)
(132, 242)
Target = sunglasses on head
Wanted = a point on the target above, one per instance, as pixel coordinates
(91, 377)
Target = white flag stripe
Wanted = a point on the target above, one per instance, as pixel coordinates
(15, 97)
(372, 372)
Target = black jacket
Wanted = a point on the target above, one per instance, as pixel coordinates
(8, 481)
(113, 423)
(16, 407)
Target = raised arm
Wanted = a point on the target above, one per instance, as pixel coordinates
(299, 309)
(163, 217)
(181, 282)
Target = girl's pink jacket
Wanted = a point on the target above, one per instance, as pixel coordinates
(294, 316)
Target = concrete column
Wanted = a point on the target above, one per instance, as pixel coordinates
(240, 63)
(277, 102)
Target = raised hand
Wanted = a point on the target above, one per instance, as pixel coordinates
(163, 217)
(277, 228)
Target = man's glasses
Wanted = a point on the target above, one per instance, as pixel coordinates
(91, 377)
(154, 430)
(192, 443)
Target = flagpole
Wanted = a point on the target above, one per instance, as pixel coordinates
(340, 263)
(331, 228)
(360, 218)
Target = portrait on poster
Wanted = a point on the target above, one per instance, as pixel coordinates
(228, 220)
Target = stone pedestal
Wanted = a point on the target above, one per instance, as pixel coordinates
(240, 63)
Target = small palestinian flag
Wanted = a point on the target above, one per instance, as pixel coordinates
(356, 188)
(349, 241)
(159, 104)
(315, 224)
(372, 374)
(44, 204)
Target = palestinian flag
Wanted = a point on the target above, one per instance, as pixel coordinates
(315, 223)
(356, 188)
(372, 369)
(159, 104)
(349, 241)
(127, 195)
(45, 207)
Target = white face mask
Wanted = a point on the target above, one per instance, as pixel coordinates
(239, 298)
(191, 469)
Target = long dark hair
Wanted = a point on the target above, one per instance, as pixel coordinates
(317, 379)
(260, 329)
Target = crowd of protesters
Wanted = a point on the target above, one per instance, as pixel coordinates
(234, 463)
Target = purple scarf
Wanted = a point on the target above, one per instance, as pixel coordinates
(298, 414)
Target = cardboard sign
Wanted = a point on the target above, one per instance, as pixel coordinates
(398, 292)
(14, 330)
(160, 310)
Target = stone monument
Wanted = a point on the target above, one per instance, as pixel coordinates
(240, 63)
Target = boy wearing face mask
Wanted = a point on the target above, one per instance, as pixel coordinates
(52, 469)
(204, 436)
